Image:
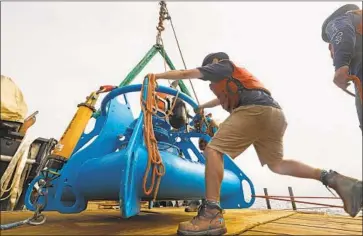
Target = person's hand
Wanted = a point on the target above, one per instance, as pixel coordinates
(341, 77)
(202, 144)
(199, 110)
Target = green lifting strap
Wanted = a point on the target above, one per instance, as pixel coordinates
(141, 65)
(182, 86)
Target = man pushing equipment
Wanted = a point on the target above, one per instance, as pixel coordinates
(255, 119)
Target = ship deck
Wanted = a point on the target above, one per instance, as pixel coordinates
(164, 221)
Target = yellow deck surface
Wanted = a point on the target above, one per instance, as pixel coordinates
(164, 221)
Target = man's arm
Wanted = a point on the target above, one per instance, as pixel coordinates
(213, 103)
(341, 33)
(212, 72)
(180, 74)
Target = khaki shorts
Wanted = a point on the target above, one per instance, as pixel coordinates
(262, 126)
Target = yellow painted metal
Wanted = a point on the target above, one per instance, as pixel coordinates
(75, 129)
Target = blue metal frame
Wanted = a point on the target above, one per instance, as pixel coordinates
(109, 168)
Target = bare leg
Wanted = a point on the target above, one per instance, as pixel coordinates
(214, 170)
(296, 169)
(348, 189)
(209, 220)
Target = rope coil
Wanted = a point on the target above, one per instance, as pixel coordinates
(18, 170)
(154, 163)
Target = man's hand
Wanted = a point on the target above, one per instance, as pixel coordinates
(199, 110)
(341, 77)
(213, 103)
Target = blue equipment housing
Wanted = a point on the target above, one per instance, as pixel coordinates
(110, 161)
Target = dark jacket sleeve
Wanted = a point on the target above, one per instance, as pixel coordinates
(217, 71)
(341, 33)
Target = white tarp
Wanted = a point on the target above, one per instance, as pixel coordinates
(13, 105)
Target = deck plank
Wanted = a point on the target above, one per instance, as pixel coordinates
(164, 221)
(300, 230)
(310, 224)
(332, 218)
(325, 223)
(158, 221)
(256, 232)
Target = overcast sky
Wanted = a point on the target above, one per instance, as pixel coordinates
(58, 52)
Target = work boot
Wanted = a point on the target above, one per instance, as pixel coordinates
(192, 207)
(349, 190)
(209, 221)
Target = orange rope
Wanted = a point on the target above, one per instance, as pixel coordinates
(262, 196)
(357, 83)
(312, 203)
(154, 158)
(310, 208)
